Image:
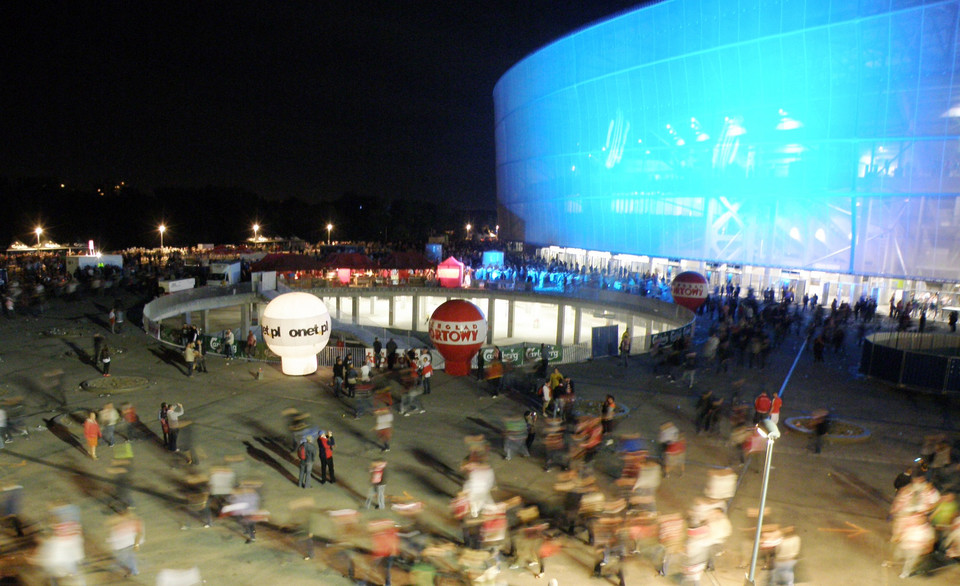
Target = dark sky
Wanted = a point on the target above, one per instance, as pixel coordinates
(311, 99)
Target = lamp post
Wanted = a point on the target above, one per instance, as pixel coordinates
(256, 228)
(468, 231)
(329, 227)
(162, 229)
(38, 232)
(767, 429)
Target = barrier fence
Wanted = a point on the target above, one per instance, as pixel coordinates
(929, 362)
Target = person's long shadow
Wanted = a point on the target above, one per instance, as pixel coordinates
(428, 483)
(99, 319)
(487, 425)
(279, 449)
(262, 456)
(60, 430)
(82, 354)
(265, 433)
(362, 437)
(429, 460)
(52, 396)
(171, 357)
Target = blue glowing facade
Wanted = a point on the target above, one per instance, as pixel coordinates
(810, 134)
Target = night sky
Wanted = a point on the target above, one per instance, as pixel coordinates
(310, 100)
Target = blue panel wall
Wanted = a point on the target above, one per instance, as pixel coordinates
(817, 134)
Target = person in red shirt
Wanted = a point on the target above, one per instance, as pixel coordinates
(775, 406)
(91, 431)
(326, 444)
(761, 407)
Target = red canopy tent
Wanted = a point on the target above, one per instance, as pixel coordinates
(450, 273)
(349, 260)
(286, 263)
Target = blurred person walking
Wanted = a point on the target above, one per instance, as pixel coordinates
(190, 358)
(378, 484)
(173, 423)
(384, 427)
(126, 535)
(108, 418)
(91, 431)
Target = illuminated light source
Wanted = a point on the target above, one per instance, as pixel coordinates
(787, 123)
(795, 233)
(162, 229)
(38, 231)
(820, 235)
(329, 227)
(702, 137)
(681, 142)
(256, 228)
(296, 326)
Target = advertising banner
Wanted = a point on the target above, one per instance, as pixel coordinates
(667, 338)
(519, 354)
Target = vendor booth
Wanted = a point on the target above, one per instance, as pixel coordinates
(450, 273)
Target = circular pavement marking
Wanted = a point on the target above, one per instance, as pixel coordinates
(114, 384)
(841, 430)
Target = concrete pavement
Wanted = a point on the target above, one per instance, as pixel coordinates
(837, 500)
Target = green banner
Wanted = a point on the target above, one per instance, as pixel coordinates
(520, 354)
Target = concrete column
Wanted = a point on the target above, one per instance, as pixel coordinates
(255, 313)
(338, 307)
(186, 317)
(491, 318)
(373, 305)
(355, 309)
(511, 312)
(577, 324)
(205, 320)
(561, 314)
(391, 310)
(244, 321)
(415, 313)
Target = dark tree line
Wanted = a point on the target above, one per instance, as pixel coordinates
(126, 217)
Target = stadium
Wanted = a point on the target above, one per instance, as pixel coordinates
(810, 145)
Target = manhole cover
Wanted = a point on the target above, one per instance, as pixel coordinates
(114, 384)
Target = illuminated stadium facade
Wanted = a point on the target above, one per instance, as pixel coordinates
(808, 141)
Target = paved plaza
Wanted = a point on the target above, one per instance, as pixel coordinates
(838, 500)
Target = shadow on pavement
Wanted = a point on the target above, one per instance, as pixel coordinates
(427, 459)
(62, 433)
(170, 356)
(265, 458)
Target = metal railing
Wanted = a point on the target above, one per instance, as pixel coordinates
(926, 362)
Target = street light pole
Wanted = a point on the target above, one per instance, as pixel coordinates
(256, 228)
(329, 227)
(38, 231)
(767, 429)
(162, 229)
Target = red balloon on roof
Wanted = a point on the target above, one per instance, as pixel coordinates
(689, 290)
(458, 329)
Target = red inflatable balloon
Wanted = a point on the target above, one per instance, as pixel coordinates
(458, 329)
(689, 290)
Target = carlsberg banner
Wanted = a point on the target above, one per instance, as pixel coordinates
(519, 354)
